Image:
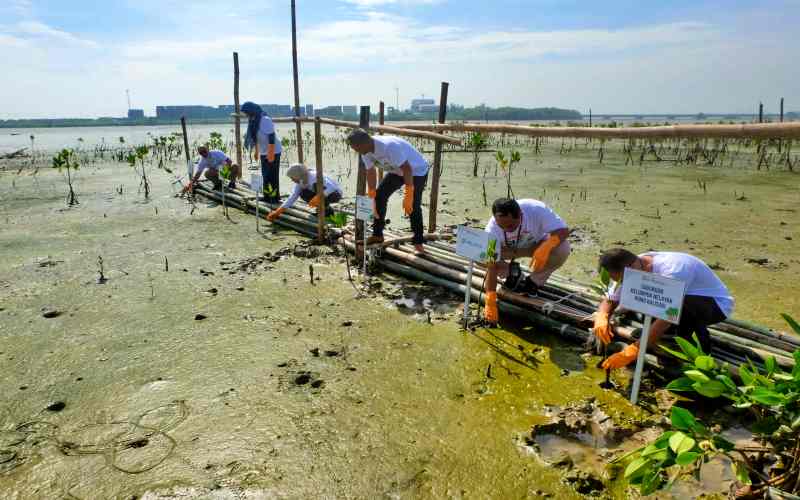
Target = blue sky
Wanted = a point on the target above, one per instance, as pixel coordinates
(77, 58)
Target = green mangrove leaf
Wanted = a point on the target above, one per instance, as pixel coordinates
(686, 458)
(771, 365)
(681, 419)
(740, 470)
(677, 354)
(688, 349)
(794, 324)
(683, 384)
(766, 396)
(637, 468)
(697, 376)
(680, 442)
(710, 389)
(705, 363)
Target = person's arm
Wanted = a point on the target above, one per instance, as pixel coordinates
(372, 180)
(289, 203)
(408, 192)
(657, 329)
(408, 177)
(602, 320)
(541, 254)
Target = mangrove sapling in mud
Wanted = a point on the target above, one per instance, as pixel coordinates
(770, 396)
(140, 153)
(476, 141)
(67, 160)
(339, 220)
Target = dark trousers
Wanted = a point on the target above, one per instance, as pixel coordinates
(271, 171)
(390, 184)
(697, 314)
(309, 194)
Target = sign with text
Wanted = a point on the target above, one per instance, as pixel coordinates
(364, 208)
(474, 244)
(652, 295)
(256, 183)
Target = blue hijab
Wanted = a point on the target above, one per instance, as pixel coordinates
(254, 114)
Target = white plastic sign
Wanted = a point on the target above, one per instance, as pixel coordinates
(256, 183)
(364, 208)
(472, 243)
(652, 295)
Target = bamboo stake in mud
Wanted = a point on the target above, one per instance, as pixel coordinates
(761, 112)
(361, 177)
(298, 125)
(320, 180)
(590, 117)
(237, 123)
(781, 109)
(189, 169)
(381, 120)
(437, 162)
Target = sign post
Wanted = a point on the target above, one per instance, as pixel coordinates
(364, 213)
(472, 244)
(656, 297)
(256, 185)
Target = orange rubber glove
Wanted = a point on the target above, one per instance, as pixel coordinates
(542, 252)
(372, 193)
(408, 199)
(270, 153)
(602, 328)
(490, 308)
(314, 203)
(620, 359)
(275, 214)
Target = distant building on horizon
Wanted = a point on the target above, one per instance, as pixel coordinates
(135, 114)
(309, 110)
(349, 110)
(423, 105)
(335, 110)
(222, 111)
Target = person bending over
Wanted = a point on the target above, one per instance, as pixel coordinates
(305, 187)
(216, 165)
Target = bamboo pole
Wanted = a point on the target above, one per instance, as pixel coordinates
(781, 110)
(406, 131)
(320, 180)
(437, 163)
(186, 148)
(788, 130)
(761, 112)
(298, 123)
(361, 177)
(381, 120)
(237, 122)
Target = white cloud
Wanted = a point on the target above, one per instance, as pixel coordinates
(35, 29)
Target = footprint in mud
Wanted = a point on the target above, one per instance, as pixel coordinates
(299, 379)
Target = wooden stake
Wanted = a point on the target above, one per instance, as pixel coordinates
(361, 179)
(237, 122)
(437, 162)
(781, 109)
(298, 124)
(761, 112)
(189, 168)
(320, 180)
(381, 116)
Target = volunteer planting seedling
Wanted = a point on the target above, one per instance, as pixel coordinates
(707, 300)
(305, 187)
(216, 165)
(404, 167)
(524, 228)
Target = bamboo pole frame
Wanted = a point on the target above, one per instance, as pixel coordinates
(320, 180)
(387, 129)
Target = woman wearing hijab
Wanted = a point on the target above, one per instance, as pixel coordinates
(305, 187)
(264, 141)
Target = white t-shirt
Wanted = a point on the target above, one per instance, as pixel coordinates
(699, 278)
(264, 129)
(213, 161)
(391, 153)
(330, 186)
(538, 221)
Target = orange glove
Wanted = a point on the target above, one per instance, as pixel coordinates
(275, 214)
(620, 359)
(314, 203)
(270, 153)
(602, 329)
(408, 199)
(490, 308)
(542, 252)
(188, 187)
(372, 193)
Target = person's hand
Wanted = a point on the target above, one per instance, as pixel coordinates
(602, 328)
(542, 253)
(314, 203)
(255, 155)
(275, 214)
(408, 199)
(372, 193)
(490, 308)
(620, 359)
(271, 153)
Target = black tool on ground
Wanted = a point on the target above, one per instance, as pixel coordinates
(608, 350)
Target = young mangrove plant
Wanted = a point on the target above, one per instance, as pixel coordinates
(139, 154)
(67, 160)
(768, 394)
(339, 220)
(476, 141)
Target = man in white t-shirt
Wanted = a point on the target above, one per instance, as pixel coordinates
(405, 167)
(707, 300)
(216, 164)
(523, 228)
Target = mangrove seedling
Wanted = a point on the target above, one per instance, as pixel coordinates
(67, 160)
(339, 220)
(139, 154)
(476, 141)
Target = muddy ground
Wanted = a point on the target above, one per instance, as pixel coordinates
(208, 365)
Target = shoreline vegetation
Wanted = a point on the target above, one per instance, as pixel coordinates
(569, 117)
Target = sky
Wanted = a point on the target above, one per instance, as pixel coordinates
(77, 58)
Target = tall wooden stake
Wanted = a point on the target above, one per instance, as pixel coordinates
(237, 123)
(298, 125)
(761, 112)
(437, 162)
(189, 167)
(781, 109)
(361, 178)
(320, 180)
(381, 116)
(590, 117)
